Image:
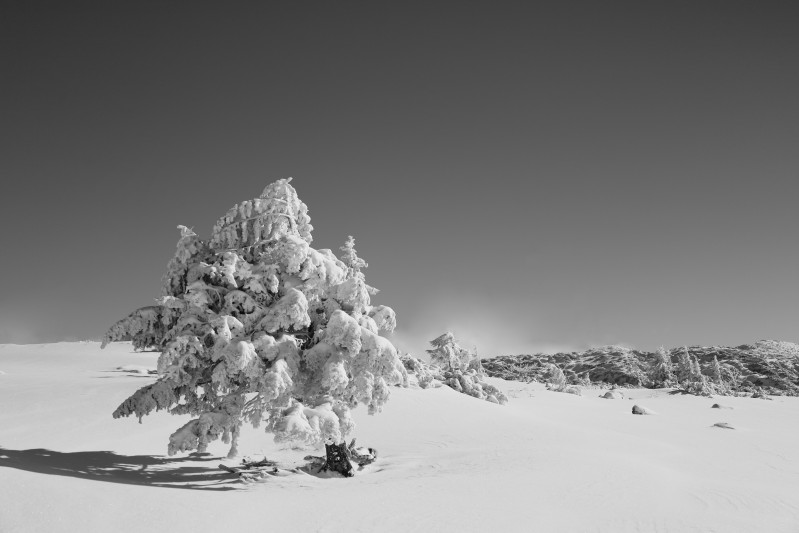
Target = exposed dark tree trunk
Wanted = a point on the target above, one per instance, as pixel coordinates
(338, 459)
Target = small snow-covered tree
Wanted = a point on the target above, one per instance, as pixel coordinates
(715, 371)
(733, 377)
(555, 377)
(716, 377)
(449, 355)
(426, 376)
(558, 382)
(460, 369)
(696, 369)
(684, 369)
(662, 373)
(255, 325)
(689, 375)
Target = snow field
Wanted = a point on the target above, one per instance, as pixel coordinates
(547, 461)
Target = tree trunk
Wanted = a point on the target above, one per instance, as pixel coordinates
(338, 459)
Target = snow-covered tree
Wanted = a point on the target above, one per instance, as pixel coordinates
(558, 382)
(459, 369)
(662, 372)
(683, 371)
(715, 371)
(689, 375)
(716, 377)
(255, 325)
(732, 376)
(426, 376)
(449, 355)
(555, 377)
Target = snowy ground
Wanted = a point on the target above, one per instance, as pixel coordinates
(545, 462)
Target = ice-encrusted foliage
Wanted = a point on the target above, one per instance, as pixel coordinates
(456, 367)
(662, 371)
(256, 326)
(349, 256)
(766, 366)
(689, 375)
(449, 355)
(143, 327)
(557, 381)
(556, 377)
(466, 382)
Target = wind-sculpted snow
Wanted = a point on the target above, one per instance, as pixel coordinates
(255, 325)
(765, 367)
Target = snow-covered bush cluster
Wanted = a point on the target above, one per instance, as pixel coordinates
(426, 376)
(765, 367)
(256, 325)
(456, 367)
(688, 375)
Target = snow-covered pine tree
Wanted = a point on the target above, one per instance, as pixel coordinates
(683, 370)
(255, 325)
(689, 375)
(449, 355)
(696, 369)
(556, 379)
(732, 376)
(461, 369)
(662, 373)
(717, 377)
(715, 371)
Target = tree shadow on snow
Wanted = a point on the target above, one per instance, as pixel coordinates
(133, 372)
(114, 468)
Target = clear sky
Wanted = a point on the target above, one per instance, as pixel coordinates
(530, 175)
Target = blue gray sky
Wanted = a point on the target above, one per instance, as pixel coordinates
(530, 175)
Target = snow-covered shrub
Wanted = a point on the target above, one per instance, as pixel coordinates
(732, 376)
(689, 375)
(426, 376)
(467, 379)
(716, 377)
(255, 325)
(556, 381)
(770, 365)
(662, 371)
(448, 355)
